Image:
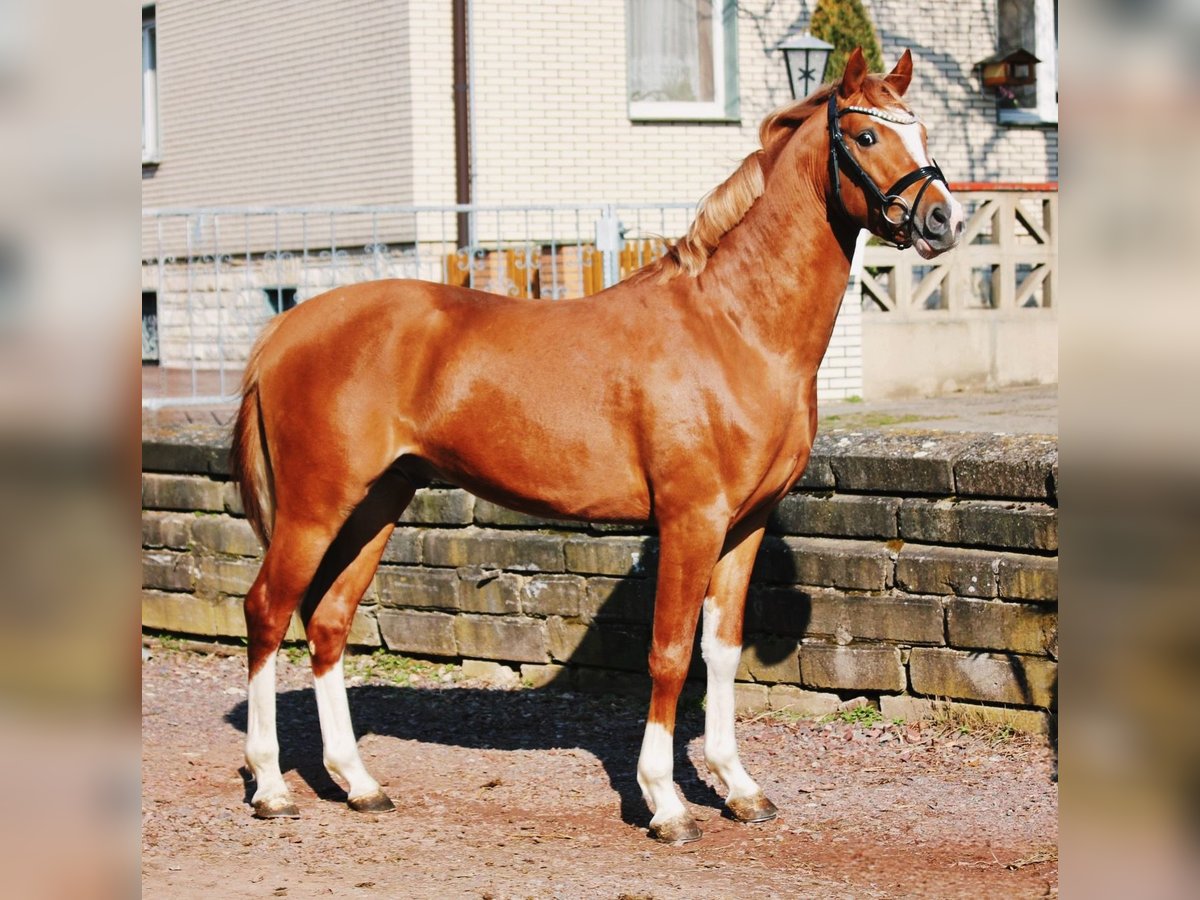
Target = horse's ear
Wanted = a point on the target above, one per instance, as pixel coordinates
(900, 76)
(856, 71)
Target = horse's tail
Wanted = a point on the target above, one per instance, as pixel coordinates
(249, 460)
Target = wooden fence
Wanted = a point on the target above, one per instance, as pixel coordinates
(570, 270)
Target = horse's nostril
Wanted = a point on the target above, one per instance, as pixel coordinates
(937, 220)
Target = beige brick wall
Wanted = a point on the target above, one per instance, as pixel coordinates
(946, 40)
(431, 71)
(280, 102)
(552, 123)
(286, 102)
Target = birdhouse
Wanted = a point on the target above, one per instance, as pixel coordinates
(1009, 68)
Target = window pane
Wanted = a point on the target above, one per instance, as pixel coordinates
(149, 87)
(671, 51)
(149, 326)
(1018, 29)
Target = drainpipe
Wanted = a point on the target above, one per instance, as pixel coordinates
(462, 118)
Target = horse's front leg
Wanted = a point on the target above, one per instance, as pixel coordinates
(721, 645)
(689, 550)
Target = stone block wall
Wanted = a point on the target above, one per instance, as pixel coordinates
(917, 569)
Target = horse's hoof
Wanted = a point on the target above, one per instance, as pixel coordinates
(676, 831)
(752, 809)
(377, 802)
(276, 808)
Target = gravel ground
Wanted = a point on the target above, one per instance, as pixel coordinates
(514, 793)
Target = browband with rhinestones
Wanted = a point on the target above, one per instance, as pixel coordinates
(879, 114)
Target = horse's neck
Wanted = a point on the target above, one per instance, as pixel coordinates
(784, 267)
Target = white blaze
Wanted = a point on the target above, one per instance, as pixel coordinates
(910, 136)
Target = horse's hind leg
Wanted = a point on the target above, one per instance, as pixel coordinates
(350, 563)
(288, 567)
(721, 645)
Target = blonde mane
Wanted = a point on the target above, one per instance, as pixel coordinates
(726, 204)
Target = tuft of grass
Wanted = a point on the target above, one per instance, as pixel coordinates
(786, 715)
(1001, 733)
(171, 642)
(397, 669)
(874, 419)
(956, 720)
(295, 653)
(865, 716)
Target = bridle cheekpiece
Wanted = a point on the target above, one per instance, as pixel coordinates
(840, 156)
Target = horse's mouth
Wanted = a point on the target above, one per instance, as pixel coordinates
(929, 249)
(923, 247)
(937, 232)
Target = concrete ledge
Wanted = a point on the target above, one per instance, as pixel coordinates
(893, 462)
(191, 450)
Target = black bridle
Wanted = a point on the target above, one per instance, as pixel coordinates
(901, 225)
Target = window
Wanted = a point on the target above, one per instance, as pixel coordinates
(150, 327)
(682, 59)
(149, 87)
(1033, 26)
(280, 299)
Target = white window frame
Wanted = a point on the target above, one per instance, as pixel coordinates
(724, 105)
(150, 143)
(1046, 50)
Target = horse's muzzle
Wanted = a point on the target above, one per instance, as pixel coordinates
(939, 226)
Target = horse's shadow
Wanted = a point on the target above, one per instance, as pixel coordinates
(608, 727)
(562, 714)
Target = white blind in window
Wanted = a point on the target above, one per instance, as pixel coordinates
(671, 51)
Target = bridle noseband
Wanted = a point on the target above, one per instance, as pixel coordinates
(838, 151)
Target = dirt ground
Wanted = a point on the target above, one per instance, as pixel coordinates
(514, 793)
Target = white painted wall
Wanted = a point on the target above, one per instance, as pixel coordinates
(942, 354)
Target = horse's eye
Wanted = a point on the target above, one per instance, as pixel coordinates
(866, 139)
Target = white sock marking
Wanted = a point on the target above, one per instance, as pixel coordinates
(262, 745)
(337, 733)
(720, 744)
(655, 773)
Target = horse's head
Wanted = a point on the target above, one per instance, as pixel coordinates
(880, 172)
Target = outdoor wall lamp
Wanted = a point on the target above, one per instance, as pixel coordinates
(807, 58)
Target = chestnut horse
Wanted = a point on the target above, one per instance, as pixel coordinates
(684, 396)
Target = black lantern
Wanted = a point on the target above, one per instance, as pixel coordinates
(807, 58)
